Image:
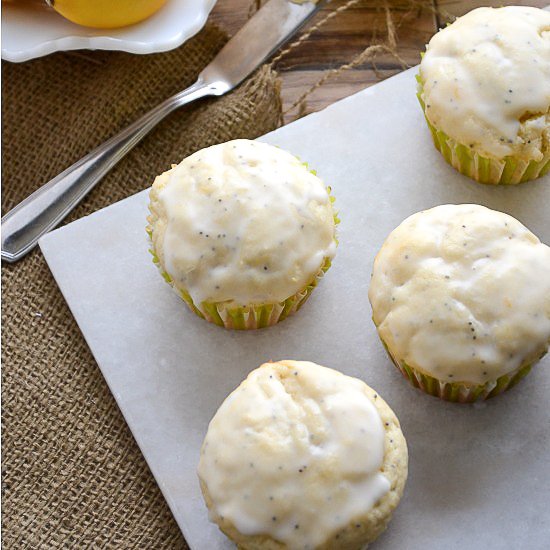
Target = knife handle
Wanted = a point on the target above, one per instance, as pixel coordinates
(47, 206)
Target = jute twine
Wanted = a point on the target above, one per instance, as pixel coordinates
(374, 46)
(73, 476)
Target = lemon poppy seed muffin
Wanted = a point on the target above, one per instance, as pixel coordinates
(460, 296)
(300, 456)
(484, 84)
(242, 231)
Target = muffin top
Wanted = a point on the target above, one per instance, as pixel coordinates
(462, 293)
(241, 222)
(486, 81)
(295, 453)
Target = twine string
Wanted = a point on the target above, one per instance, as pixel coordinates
(367, 55)
(314, 28)
(388, 45)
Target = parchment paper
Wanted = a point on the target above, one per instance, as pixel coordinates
(478, 474)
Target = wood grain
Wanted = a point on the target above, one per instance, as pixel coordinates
(345, 36)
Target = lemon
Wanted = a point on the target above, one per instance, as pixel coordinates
(106, 14)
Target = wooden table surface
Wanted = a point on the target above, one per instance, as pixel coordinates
(345, 36)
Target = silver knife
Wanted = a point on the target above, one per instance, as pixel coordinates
(259, 38)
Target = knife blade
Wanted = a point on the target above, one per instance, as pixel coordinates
(257, 40)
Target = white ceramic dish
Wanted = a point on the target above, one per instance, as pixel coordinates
(478, 475)
(32, 29)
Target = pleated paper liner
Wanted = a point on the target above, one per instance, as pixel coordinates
(458, 392)
(251, 316)
(507, 171)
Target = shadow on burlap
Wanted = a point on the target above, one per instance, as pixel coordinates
(72, 474)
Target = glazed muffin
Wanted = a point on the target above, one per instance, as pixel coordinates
(484, 85)
(460, 296)
(302, 456)
(243, 231)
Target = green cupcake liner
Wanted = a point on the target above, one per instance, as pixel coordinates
(506, 171)
(459, 392)
(247, 317)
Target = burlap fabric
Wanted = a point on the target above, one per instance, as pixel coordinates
(73, 476)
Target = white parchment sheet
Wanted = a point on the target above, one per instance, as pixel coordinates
(479, 476)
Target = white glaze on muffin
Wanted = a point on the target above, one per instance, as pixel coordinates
(486, 81)
(297, 454)
(242, 222)
(462, 293)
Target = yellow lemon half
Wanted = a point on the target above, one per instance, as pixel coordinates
(106, 14)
